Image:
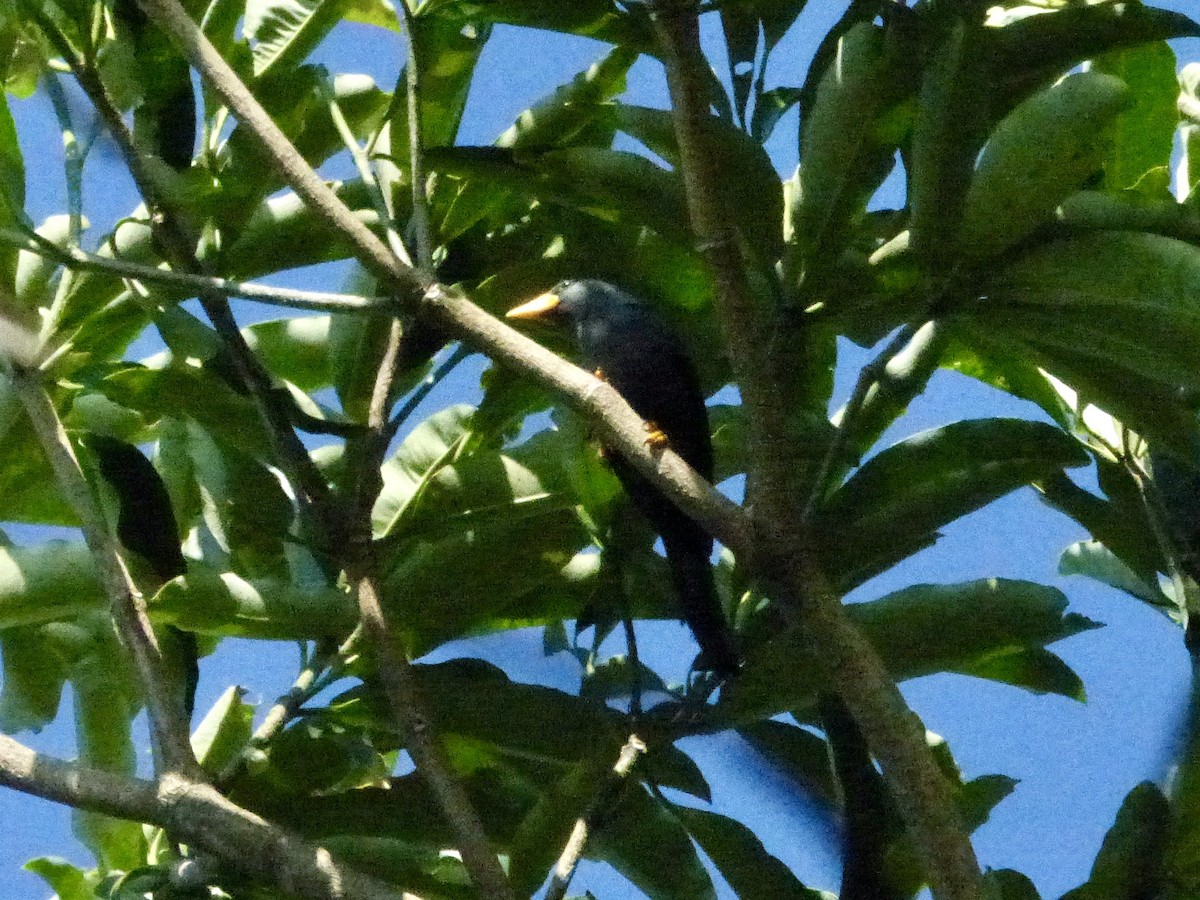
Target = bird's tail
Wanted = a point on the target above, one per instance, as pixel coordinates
(700, 602)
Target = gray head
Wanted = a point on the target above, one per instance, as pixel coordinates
(576, 300)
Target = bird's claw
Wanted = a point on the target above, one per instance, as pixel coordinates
(656, 438)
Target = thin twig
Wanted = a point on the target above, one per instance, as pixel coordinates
(871, 374)
(416, 149)
(568, 860)
(314, 677)
(363, 164)
(168, 723)
(320, 301)
(392, 663)
(422, 391)
(635, 665)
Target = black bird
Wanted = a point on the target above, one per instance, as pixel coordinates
(630, 346)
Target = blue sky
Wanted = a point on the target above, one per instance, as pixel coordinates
(1075, 762)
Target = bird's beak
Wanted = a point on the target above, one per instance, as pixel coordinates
(535, 308)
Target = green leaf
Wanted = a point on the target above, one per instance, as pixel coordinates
(34, 672)
(903, 379)
(563, 117)
(67, 882)
(50, 581)
(993, 628)
(1114, 315)
(545, 829)
(1039, 154)
(612, 185)
(770, 107)
(1096, 561)
(29, 491)
(1008, 884)
(575, 113)
(34, 271)
(525, 727)
(602, 20)
(740, 856)
(1117, 523)
(845, 153)
(1031, 50)
(755, 196)
(1130, 863)
(946, 139)
(208, 601)
(244, 504)
(224, 730)
(799, 754)
(645, 842)
(284, 32)
(294, 349)
(450, 46)
(1144, 135)
(443, 510)
(1188, 172)
(321, 754)
(298, 104)
(895, 502)
(106, 701)
(192, 393)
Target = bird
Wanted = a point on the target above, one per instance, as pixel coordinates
(630, 345)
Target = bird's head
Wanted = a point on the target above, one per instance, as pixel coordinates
(573, 300)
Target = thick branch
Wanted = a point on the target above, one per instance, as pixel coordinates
(850, 664)
(198, 815)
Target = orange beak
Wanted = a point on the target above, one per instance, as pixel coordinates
(535, 308)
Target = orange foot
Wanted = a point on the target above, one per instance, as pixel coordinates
(599, 373)
(656, 439)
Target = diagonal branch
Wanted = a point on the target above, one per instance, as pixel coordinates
(168, 723)
(850, 664)
(198, 815)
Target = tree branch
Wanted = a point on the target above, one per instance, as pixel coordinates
(392, 663)
(198, 815)
(319, 514)
(320, 301)
(168, 723)
(568, 860)
(850, 664)
(617, 424)
(324, 668)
